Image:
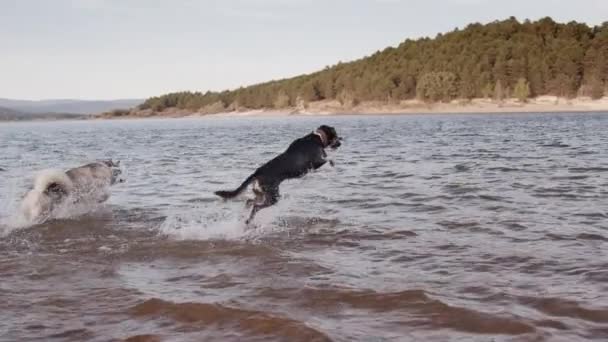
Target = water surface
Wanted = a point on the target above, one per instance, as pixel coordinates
(434, 227)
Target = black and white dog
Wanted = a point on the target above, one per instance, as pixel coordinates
(88, 184)
(303, 155)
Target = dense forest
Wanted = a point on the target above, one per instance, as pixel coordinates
(496, 60)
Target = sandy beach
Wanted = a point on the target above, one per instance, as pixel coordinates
(541, 104)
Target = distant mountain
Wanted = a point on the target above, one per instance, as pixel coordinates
(68, 106)
(8, 114)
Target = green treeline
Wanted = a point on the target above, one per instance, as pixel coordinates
(497, 60)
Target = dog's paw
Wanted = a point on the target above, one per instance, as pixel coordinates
(331, 163)
(250, 225)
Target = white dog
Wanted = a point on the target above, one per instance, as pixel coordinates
(56, 190)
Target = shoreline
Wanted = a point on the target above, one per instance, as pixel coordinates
(542, 104)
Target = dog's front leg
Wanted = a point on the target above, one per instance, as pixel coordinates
(330, 161)
(325, 161)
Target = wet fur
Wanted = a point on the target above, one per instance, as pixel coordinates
(53, 188)
(303, 155)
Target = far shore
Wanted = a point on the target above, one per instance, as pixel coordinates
(542, 104)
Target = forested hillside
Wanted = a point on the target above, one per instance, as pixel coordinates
(500, 59)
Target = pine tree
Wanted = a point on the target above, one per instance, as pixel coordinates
(522, 90)
(487, 91)
(597, 88)
(499, 91)
(282, 100)
(437, 86)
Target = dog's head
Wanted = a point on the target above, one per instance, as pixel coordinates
(332, 138)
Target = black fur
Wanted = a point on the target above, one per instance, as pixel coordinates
(303, 155)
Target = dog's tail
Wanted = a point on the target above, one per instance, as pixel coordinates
(51, 179)
(230, 194)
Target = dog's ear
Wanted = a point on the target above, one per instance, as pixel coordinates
(329, 131)
(111, 163)
(333, 134)
(55, 191)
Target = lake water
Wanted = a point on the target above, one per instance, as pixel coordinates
(429, 228)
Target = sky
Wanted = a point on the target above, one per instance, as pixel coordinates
(110, 49)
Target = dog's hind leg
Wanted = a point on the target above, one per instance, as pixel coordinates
(259, 195)
(266, 197)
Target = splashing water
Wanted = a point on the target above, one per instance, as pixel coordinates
(228, 223)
